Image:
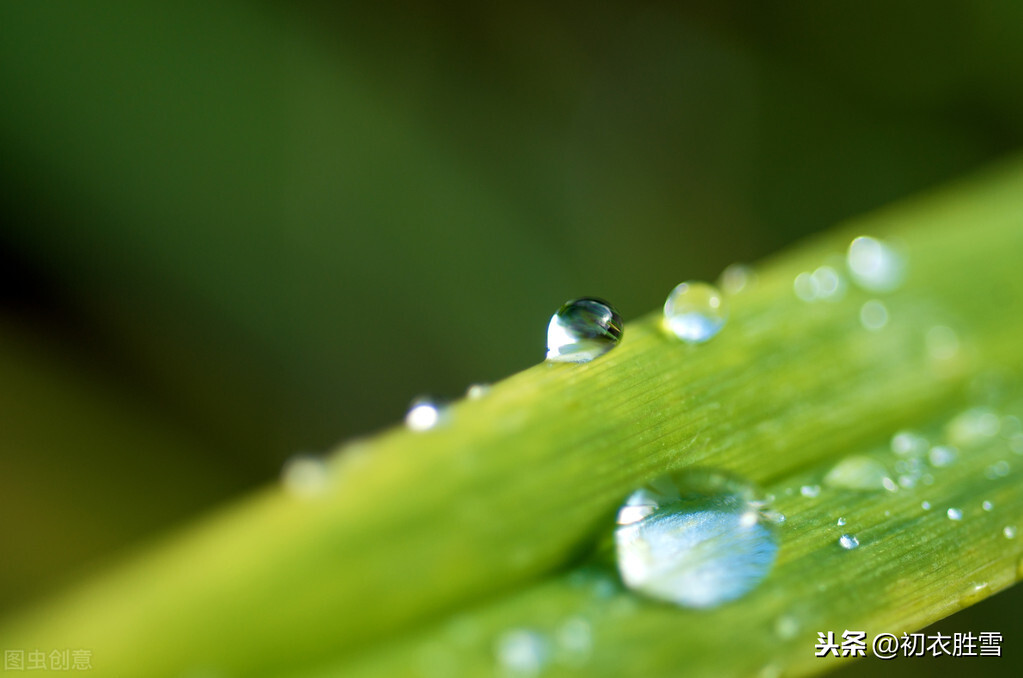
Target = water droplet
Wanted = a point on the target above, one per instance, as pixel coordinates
(829, 284)
(1009, 531)
(973, 427)
(805, 287)
(925, 505)
(873, 315)
(522, 653)
(423, 414)
(1011, 426)
(840, 522)
(987, 506)
(304, 476)
(810, 490)
(1016, 443)
(575, 641)
(999, 469)
(697, 539)
(942, 343)
(976, 592)
(942, 455)
(909, 443)
(583, 329)
(736, 278)
(695, 312)
(907, 481)
(848, 542)
(477, 391)
(786, 626)
(859, 473)
(954, 514)
(874, 265)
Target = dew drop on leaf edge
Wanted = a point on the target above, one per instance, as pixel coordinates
(582, 330)
(695, 312)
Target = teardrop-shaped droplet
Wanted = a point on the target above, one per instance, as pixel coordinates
(696, 539)
(695, 312)
(583, 329)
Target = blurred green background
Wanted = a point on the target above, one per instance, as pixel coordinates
(236, 231)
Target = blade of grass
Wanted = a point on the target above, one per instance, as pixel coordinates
(514, 485)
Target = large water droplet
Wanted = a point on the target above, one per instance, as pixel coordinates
(848, 542)
(695, 312)
(583, 329)
(874, 265)
(954, 513)
(697, 539)
(1009, 531)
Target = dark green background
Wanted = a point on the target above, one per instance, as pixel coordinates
(232, 232)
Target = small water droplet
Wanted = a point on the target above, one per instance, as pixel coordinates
(874, 265)
(999, 469)
(848, 542)
(697, 539)
(805, 287)
(304, 476)
(575, 641)
(987, 506)
(859, 473)
(909, 443)
(976, 592)
(942, 343)
(873, 315)
(942, 455)
(477, 391)
(925, 505)
(830, 285)
(973, 427)
(954, 514)
(695, 312)
(583, 329)
(1011, 426)
(423, 414)
(810, 491)
(907, 481)
(522, 653)
(786, 626)
(1009, 531)
(840, 522)
(736, 278)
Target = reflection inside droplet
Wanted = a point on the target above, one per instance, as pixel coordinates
(697, 539)
(582, 330)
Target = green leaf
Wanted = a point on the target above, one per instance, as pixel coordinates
(426, 548)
